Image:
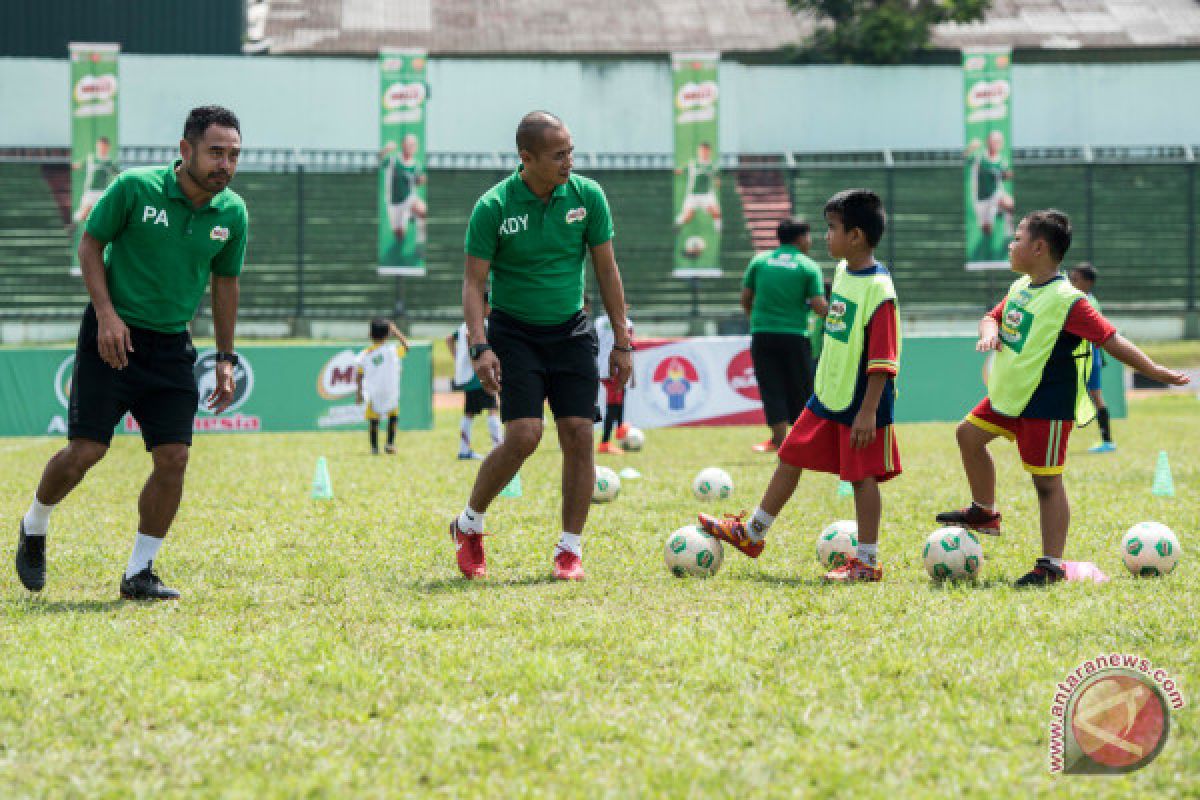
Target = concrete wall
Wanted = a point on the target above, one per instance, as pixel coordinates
(613, 106)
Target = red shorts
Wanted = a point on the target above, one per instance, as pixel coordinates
(613, 392)
(823, 445)
(1042, 443)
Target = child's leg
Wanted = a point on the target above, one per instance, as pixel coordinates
(373, 433)
(868, 510)
(779, 491)
(393, 420)
(1102, 415)
(464, 434)
(610, 420)
(493, 423)
(619, 412)
(1055, 511)
(977, 463)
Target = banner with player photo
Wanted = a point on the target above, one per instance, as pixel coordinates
(402, 189)
(987, 167)
(93, 130)
(697, 210)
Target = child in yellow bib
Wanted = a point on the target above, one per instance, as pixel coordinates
(846, 428)
(1042, 333)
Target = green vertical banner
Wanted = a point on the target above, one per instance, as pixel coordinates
(402, 186)
(93, 130)
(987, 167)
(697, 166)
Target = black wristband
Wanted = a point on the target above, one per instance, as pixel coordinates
(620, 349)
(232, 358)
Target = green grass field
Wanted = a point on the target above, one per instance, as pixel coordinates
(329, 649)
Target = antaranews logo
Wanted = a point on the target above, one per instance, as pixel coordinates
(1110, 715)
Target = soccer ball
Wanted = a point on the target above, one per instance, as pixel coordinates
(712, 484)
(953, 554)
(691, 551)
(837, 543)
(634, 439)
(608, 485)
(1149, 550)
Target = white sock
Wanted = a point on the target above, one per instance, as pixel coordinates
(470, 521)
(572, 543)
(985, 506)
(494, 429)
(464, 436)
(1058, 562)
(145, 548)
(37, 518)
(868, 553)
(759, 524)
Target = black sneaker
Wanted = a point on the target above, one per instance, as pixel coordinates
(973, 517)
(31, 560)
(1044, 573)
(146, 586)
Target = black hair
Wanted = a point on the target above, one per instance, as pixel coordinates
(1087, 271)
(862, 209)
(379, 328)
(531, 131)
(104, 139)
(200, 119)
(1053, 227)
(790, 229)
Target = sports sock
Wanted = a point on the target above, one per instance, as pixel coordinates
(868, 553)
(494, 429)
(609, 420)
(464, 436)
(760, 523)
(37, 518)
(470, 521)
(373, 434)
(1058, 562)
(393, 420)
(572, 543)
(1105, 424)
(145, 548)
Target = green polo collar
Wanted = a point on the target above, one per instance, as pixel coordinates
(526, 195)
(217, 202)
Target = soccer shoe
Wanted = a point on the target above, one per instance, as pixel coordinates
(567, 566)
(609, 449)
(973, 517)
(765, 447)
(1103, 447)
(470, 455)
(853, 571)
(31, 560)
(390, 449)
(732, 530)
(146, 586)
(622, 430)
(1044, 573)
(472, 562)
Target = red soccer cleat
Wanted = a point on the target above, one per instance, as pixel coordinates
(973, 517)
(609, 449)
(622, 430)
(472, 563)
(732, 530)
(765, 447)
(567, 566)
(854, 571)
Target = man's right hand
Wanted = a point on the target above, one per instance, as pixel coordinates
(113, 340)
(487, 367)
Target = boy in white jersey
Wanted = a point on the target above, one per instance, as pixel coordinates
(378, 378)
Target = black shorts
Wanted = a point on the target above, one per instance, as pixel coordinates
(545, 362)
(477, 400)
(783, 368)
(158, 387)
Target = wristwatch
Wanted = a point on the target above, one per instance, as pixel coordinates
(231, 358)
(620, 349)
(476, 350)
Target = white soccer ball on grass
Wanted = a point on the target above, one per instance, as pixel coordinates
(1150, 550)
(607, 486)
(690, 551)
(712, 483)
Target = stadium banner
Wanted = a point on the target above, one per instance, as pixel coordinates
(402, 191)
(93, 131)
(300, 388)
(987, 167)
(711, 381)
(697, 210)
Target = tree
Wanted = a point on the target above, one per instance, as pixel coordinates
(880, 31)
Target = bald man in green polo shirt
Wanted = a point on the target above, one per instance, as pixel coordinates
(152, 244)
(531, 234)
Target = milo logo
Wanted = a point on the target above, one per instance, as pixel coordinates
(840, 319)
(696, 95)
(1014, 331)
(205, 372)
(576, 215)
(988, 93)
(404, 95)
(96, 88)
(678, 544)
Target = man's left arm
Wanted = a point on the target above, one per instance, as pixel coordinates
(612, 293)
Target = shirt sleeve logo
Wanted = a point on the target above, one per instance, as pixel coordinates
(219, 234)
(576, 215)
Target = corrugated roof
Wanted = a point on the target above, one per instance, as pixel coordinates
(463, 27)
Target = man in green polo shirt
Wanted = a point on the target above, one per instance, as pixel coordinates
(531, 234)
(778, 290)
(151, 245)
